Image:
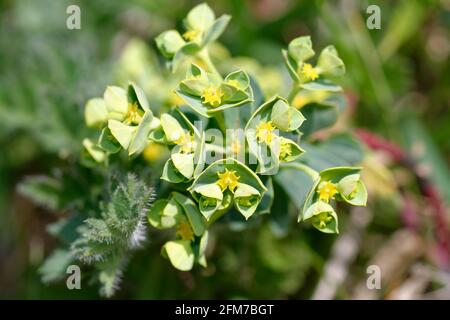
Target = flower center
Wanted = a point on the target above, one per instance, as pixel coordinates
(212, 96)
(184, 231)
(186, 142)
(326, 191)
(264, 132)
(323, 219)
(309, 72)
(191, 35)
(228, 179)
(285, 150)
(133, 115)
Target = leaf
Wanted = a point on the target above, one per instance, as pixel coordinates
(216, 29)
(172, 128)
(201, 18)
(321, 86)
(300, 49)
(329, 62)
(116, 100)
(123, 133)
(190, 209)
(171, 174)
(285, 117)
(169, 43)
(107, 142)
(140, 138)
(54, 267)
(266, 203)
(43, 190)
(137, 95)
(94, 151)
(95, 113)
(339, 150)
(295, 182)
(184, 163)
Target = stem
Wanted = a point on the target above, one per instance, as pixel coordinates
(204, 56)
(221, 121)
(293, 93)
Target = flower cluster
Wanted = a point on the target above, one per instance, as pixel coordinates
(201, 191)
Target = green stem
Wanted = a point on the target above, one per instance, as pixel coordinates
(293, 93)
(204, 56)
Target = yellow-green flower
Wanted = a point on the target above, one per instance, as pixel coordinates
(186, 142)
(322, 219)
(228, 179)
(192, 35)
(264, 132)
(212, 96)
(327, 190)
(309, 72)
(285, 149)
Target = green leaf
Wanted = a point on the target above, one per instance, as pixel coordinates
(285, 117)
(172, 128)
(266, 203)
(137, 95)
(339, 150)
(107, 141)
(329, 62)
(216, 30)
(94, 151)
(154, 215)
(209, 196)
(180, 254)
(140, 138)
(300, 49)
(123, 133)
(42, 190)
(201, 18)
(194, 216)
(321, 85)
(352, 190)
(171, 174)
(95, 112)
(54, 267)
(169, 43)
(184, 163)
(116, 100)
(247, 199)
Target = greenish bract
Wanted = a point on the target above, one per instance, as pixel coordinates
(221, 147)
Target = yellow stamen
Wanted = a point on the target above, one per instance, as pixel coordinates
(264, 132)
(228, 179)
(186, 142)
(326, 191)
(323, 219)
(191, 35)
(184, 231)
(133, 115)
(285, 150)
(309, 72)
(212, 96)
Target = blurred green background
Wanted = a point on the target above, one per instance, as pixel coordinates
(397, 85)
